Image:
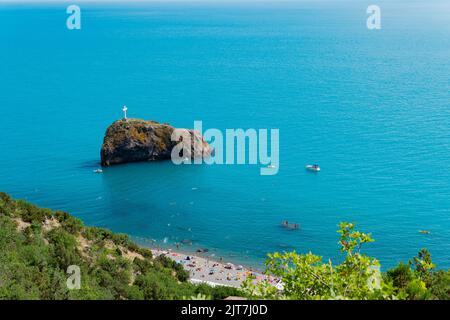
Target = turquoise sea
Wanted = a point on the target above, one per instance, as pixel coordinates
(372, 107)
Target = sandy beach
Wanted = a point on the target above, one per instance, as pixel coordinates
(204, 270)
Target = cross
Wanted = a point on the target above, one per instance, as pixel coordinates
(124, 109)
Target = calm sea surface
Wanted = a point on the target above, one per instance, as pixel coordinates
(371, 107)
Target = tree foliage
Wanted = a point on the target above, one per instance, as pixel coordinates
(308, 277)
(37, 245)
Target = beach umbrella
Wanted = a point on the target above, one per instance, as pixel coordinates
(279, 286)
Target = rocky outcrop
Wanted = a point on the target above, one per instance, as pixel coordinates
(134, 140)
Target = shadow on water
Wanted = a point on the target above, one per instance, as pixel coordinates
(89, 164)
(150, 199)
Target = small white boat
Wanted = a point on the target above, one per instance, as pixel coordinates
(271, 166)
(313, 167)
(98, 171)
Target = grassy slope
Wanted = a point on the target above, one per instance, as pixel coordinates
(37, 245)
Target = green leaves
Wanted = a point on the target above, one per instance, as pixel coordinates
(423, 263)
(306, 276)
(350, 239)
(34, 260)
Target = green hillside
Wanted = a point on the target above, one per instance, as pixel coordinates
(38, 245)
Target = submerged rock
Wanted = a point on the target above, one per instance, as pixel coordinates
(134, 140)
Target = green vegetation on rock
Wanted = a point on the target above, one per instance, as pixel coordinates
(134, 140)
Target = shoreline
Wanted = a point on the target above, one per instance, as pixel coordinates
(211, 271)
(211, 254)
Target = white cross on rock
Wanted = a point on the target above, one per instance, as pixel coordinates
(124, 109)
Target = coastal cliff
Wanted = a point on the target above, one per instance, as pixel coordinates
(134, 140)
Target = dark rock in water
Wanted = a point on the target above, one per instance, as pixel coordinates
(134, 140)
(291, 226)
(202, 250)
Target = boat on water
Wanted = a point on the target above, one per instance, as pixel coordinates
(271, 166)
(424, 231)
(313, 167)
(98, 171)
(288, 225)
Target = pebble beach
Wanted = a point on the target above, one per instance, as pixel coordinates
(204, 270)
